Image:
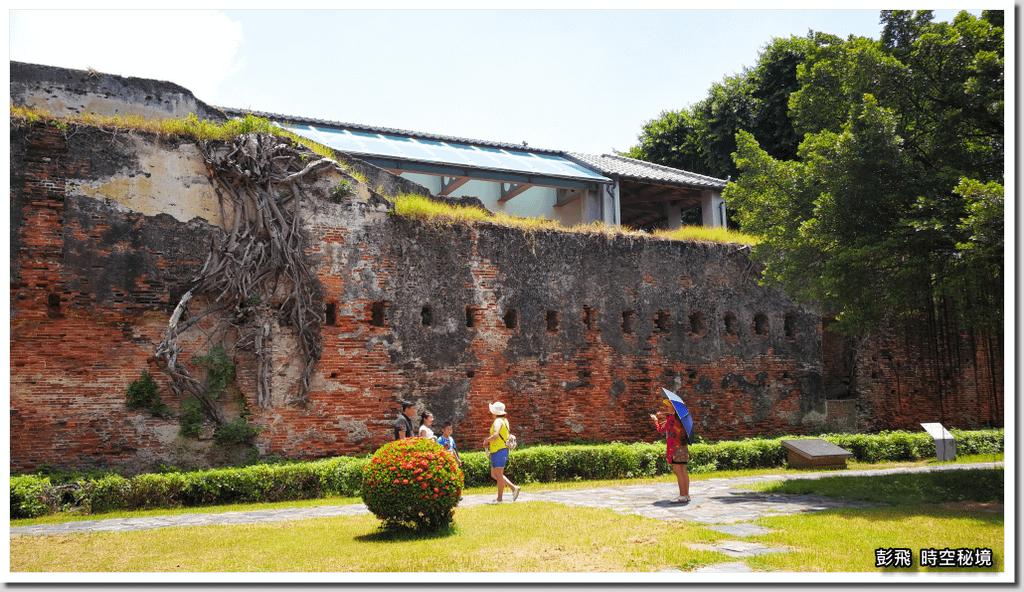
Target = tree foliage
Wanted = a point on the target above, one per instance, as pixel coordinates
(893, 207)
(701, 138)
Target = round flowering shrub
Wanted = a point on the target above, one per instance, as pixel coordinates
(412, 482)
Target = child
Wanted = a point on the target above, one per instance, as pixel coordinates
(447, 441)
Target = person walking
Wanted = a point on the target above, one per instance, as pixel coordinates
(403, 425)
(425, 421)
(495, 444)
(677, 450)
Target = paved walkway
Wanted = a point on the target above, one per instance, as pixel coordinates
(717, 503)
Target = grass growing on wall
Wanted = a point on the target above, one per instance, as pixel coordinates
(191, 126)
(418, 206)
(705, 233)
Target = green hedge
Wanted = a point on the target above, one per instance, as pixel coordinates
(33, 496)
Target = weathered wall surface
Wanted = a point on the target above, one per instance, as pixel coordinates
(62, 91)
(575, 333)
(907, 378)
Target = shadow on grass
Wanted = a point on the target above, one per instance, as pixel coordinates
(978, 485)
(401, 534)
(990, 516)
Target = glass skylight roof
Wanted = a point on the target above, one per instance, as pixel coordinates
(447, 153)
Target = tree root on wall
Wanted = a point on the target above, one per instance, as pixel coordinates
(257, 270)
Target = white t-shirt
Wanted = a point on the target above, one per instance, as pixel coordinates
(426, 432)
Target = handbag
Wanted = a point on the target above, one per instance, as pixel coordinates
(510, 442)
(681, 454)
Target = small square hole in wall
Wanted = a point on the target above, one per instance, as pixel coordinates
(589, 318)
(53, 305)
(731, 326)
(471, 319)
(789, 326)
(696, 323)
(426, 316)
(552, 321)
(760, 324)
(663, 321)
(331, 314)
(627, 321)
(379, 314)
(511, 319)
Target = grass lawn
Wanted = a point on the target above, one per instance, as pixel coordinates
(537, 537)
(598, 541)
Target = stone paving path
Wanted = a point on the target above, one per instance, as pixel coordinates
(717, 503)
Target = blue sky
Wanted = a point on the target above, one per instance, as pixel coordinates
(583, 81)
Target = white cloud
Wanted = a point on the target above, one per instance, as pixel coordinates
(194, 48)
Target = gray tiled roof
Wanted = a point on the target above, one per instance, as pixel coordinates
(638, 170)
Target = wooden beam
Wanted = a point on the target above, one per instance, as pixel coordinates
(565, 197)
(513, 190)
(450, 184)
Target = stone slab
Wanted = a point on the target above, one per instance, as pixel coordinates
(815, 454)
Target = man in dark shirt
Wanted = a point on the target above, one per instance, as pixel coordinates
(403, 425)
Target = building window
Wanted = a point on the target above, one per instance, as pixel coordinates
(627, 321)
(331, 314)
(427, 316)
(511, 319)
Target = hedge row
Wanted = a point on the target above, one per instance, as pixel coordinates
(36, 495)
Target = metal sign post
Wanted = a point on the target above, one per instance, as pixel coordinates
(945, 443)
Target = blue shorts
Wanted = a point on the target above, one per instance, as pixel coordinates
(499, 458)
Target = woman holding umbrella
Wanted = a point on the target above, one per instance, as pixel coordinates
(678, 452)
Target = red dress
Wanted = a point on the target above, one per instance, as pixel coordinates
(674, 429)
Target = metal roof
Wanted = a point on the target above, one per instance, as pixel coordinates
(445, 153)
(379, 129)
(405, 150)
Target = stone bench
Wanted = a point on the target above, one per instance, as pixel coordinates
(815, 454)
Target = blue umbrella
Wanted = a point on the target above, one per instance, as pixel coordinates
(682, 412)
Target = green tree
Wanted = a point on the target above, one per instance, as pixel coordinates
(701, 138)
(894, 206)
(672, 140)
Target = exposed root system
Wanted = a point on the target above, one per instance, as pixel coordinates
(256, 275)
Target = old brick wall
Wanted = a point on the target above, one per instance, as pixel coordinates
(906, 377)
(91, 285)
(575, 333)
(403, 294)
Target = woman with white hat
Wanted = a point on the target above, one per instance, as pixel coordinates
(495, 444)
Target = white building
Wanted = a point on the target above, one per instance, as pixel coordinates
(516, 179)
